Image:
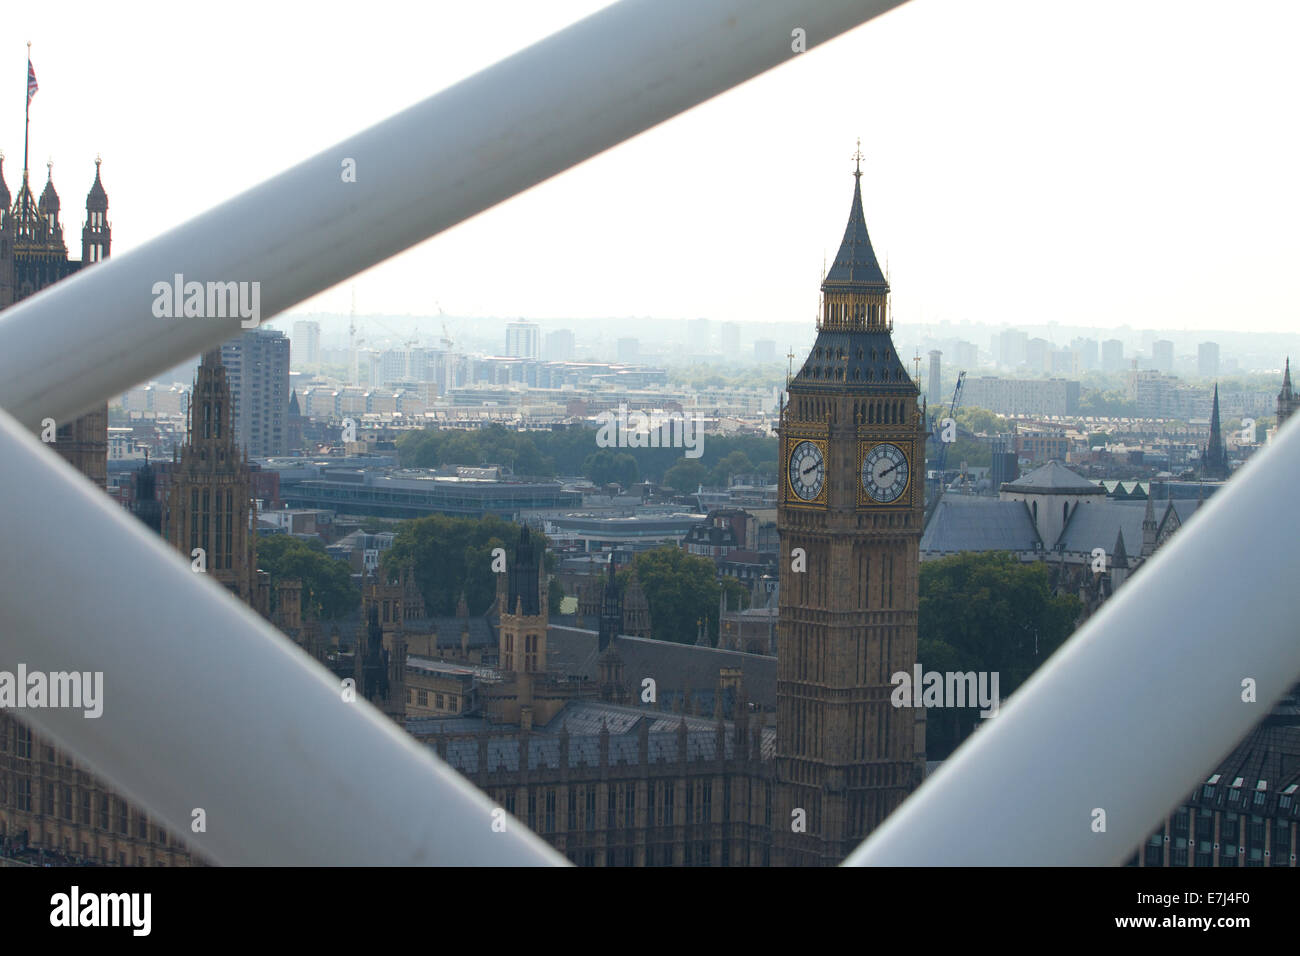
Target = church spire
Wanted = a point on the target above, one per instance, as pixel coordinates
(1286, 401)
(1214, 462)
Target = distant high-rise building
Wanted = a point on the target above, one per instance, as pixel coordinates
(629, 351)
(730, 339)
(965, 355)
(934, 388)
(1038, 355)
(1085, 351)
(305, 349)
(1207, 359)
(1162, 355)
(257, 364)
(698, 338)
(764, 350)
(1064, 362)
(559, 346)
(524, 340)
(1112, 355)
(1012, 348)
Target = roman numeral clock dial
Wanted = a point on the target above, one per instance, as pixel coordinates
(807, 470)
(884, 473)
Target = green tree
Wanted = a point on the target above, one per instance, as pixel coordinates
(736, 463)
(979, 420)
(681, 590)
(451, 556)
(607, 466)
(685, 476)
(988, 612)
(327, 588)
(737, 594)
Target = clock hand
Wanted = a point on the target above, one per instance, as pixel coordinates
(811, 467)
(888, 470)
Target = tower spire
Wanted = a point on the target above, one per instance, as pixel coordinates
(1215, 460)
(855, 268)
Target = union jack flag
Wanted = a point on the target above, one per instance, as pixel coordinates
(31, 82)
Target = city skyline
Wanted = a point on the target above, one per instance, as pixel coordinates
(1104, 115)
(820, 510)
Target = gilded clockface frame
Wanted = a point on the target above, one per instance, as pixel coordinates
(805, 471)
(884, 473)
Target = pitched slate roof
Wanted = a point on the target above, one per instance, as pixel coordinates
(1053, 478)
(1096, 524)
(962, 523)
(584, 722)
(859, 360)
(676, 668)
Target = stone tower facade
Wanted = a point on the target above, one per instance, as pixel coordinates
(34, 255)
(849, 516)
(379, 660)
(636, 608)
(523, 614)
(209, 501)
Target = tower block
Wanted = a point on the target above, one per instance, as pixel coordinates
(849, 517)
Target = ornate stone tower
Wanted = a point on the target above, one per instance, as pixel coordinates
(33, 255)
(636, 608)
(524, 618)
(209, 502)
(849, 514)
(379, 664)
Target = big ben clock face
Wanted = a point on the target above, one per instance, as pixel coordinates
(807, 470)
(884, 473)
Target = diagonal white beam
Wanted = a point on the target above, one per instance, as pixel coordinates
(207, 706)
(543, 110)
(1136, 707)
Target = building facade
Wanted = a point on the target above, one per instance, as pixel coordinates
(257, 364)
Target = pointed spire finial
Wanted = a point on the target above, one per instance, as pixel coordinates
(857, 160)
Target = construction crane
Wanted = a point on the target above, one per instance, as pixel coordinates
(353, 341)
(937, 492)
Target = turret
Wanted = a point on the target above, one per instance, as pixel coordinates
(96, 234)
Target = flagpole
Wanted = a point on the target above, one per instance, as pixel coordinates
(27, 108)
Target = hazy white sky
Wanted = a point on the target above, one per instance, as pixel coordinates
(1097, 163)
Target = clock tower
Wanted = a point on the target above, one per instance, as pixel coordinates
(852, 445)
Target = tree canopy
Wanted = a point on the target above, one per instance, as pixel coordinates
(327, 588)
(574, 451)
(986, 612)
(454, 555)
